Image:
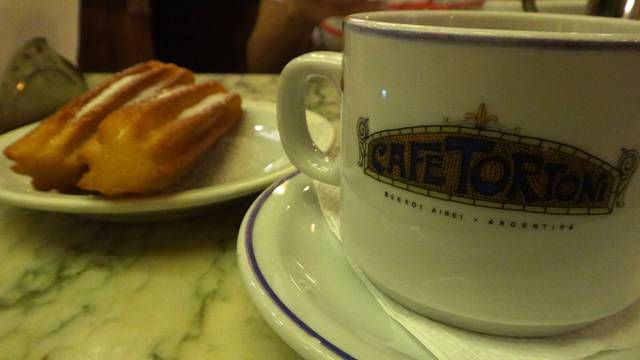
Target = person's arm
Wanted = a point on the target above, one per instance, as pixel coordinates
(277, 37)
(283, 29)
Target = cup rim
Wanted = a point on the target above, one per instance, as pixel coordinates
(375, 23)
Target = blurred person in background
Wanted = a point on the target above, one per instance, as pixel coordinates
(203, 35)
(284, 28)
(221, 36)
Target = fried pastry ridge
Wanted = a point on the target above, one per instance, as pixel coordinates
(148, 147)
(49, 152)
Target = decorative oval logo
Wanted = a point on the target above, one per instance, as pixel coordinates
(477, 162)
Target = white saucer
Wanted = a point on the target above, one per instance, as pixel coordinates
(303, 286)
(243, 162)
(296, 274)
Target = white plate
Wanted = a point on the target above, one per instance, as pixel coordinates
(244, 161)
(298, 277)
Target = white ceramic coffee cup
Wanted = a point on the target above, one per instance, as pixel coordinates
(487, 163)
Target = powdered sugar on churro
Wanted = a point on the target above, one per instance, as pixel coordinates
(152, 90)
(107, 94)
(204, 105)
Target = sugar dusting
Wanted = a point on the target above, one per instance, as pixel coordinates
(204, 105)
(249, 150)
(236, 156)
(107, 94)
(151, 91)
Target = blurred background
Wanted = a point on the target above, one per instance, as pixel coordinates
(205, 36)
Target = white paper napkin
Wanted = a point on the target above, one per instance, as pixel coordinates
(621, 331)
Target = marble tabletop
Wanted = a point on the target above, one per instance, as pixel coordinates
(74, 288)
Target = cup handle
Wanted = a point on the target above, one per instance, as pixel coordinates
(292, 124)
